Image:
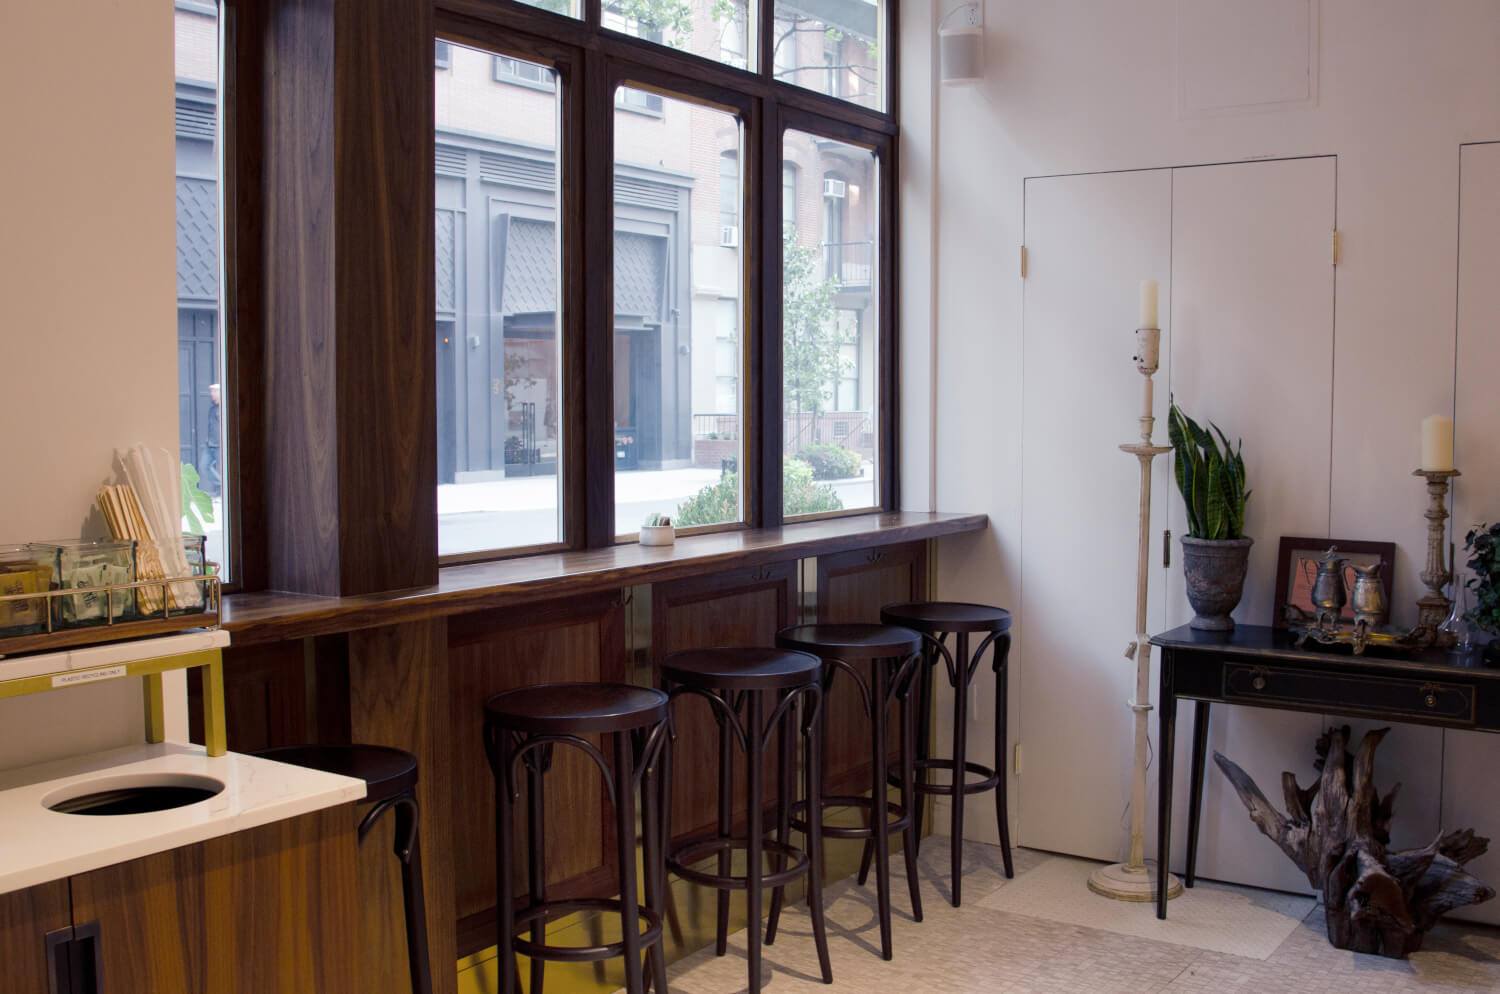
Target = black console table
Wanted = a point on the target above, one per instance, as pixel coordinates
(1262, 667)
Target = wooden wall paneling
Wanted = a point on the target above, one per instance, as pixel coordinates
(268, 909)
(738, 608)
(26, 916)
(350, 467)
(577, 640)
(853, 587)
(398, 696)
(265, 697)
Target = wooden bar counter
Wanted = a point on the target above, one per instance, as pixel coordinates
(411, 668)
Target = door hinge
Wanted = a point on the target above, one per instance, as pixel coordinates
(1023, 262)
(1337, 246)
(1017, 761)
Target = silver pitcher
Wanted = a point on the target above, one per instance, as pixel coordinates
(1328, 596)
(1368, 596)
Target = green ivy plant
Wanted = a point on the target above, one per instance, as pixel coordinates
(1211, 480)
(1483, 542)
(197, 506)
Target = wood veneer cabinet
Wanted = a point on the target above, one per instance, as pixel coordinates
(274, 908)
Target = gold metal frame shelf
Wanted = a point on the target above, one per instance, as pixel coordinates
(150, 670)
(111, 629)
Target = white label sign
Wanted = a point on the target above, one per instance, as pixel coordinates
(87, 676)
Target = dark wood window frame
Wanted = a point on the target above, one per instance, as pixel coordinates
(591, 62)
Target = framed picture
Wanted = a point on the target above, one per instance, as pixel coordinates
(1297, 566)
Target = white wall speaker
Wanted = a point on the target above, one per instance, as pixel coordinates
(961, 55)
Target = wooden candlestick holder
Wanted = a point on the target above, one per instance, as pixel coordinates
(1433, 607)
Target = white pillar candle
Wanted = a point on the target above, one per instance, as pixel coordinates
(1437, 443)
(1148, 304)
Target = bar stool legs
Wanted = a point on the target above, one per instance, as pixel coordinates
(522, 727)
(812, 767)
(390, 777)
(936, 621)
(754, 696)
(408, 850)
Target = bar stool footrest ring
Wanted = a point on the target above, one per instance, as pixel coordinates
(897, 817)
(580, 954)
(680, 863)
(990, 779)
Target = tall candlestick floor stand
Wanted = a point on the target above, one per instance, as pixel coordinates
(1133, 880)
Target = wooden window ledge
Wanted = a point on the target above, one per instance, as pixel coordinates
(270, 616)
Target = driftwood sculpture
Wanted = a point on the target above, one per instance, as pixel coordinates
(1337, 830)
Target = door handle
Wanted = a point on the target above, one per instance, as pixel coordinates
(87, 958)
(74, 959)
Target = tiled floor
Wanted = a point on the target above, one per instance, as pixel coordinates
(976, 948)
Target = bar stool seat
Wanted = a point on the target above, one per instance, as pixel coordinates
(851, 641)
(390, 777)
(577, 708)
(523, 727)
(893, 653)
(936, 621)
(752, 694)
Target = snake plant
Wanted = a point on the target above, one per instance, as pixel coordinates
(1211, 480)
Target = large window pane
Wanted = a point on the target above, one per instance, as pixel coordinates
(830, 329)
(200, 335)
(832, 46)
(568, 8)
(722, 30)
(678, 396)
(499, 416)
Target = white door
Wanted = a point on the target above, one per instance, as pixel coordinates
(1471, 758)
(1252, 311)
(1089, 241)
(1243, 255)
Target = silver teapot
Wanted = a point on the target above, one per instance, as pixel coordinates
(1328, 596)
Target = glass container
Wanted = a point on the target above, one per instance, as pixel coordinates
(24, 570)
(190, 596)
(1456, 630)
(94, 563)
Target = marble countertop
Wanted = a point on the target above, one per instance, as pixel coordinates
(38, 845)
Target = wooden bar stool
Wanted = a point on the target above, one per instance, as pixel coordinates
(936, 621)
(390, 777)
(738, 685)
(894, 655)
(523, 726)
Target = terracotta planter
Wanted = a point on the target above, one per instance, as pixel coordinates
(1215, 573)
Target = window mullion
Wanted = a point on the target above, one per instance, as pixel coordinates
(594, 226)
(767, 382)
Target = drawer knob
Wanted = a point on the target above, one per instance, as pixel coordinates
(1259, 683)
(1430, 700)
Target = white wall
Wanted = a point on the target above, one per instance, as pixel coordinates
(87, 297)
(1077, 86)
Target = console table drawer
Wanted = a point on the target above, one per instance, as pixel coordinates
(1351, 693)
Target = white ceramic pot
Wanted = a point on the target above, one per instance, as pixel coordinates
(658, 534)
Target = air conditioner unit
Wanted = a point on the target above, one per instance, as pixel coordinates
(729, 236)
(833, 188)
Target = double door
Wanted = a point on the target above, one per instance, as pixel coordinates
(1243, 255)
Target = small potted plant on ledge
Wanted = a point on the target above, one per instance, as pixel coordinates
(1483, 543)
(1215, 551)
(658, 530)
